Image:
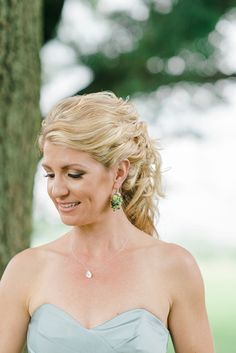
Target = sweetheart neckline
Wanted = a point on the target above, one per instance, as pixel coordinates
(40, 307)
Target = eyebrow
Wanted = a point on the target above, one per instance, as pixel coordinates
(65, 166)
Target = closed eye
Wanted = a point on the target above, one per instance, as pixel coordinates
(49, 175)
(75, 176)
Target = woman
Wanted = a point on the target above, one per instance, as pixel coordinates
(109, 284)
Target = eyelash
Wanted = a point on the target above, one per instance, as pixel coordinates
(74, 176)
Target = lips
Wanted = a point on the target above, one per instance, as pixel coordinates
(68, 206)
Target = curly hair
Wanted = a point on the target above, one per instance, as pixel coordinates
(109, 129)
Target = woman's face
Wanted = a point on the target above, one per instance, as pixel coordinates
(79, 186)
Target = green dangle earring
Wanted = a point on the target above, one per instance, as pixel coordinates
(116, 201)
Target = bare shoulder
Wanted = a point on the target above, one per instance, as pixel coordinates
(183, 271)
(177, 255)
(183, 263)
(177, 265)
(24, 266)
(21, 263)
(24, 271)
(16, 287)
(25, 261)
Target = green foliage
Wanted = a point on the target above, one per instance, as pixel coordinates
(182, 33)
(51, 15)
(179, 31)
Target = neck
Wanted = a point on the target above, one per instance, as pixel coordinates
(101, 238)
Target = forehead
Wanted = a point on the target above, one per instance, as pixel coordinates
(58, 156)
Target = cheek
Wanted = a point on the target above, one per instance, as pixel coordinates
(104, 190)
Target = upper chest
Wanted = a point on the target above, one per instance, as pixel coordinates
(135, 280)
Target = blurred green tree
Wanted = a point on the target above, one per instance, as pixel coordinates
(172, 44)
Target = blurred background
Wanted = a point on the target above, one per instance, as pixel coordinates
(176, 61)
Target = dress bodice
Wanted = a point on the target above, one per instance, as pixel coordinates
(52, 330)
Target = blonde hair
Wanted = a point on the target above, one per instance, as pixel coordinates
(108, 128)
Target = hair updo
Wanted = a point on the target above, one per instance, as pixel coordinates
(108, 128)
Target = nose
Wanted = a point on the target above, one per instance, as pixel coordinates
(58, 188)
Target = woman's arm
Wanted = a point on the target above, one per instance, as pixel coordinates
(15, 286)
(188, 321)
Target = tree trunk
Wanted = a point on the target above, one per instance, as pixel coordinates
(20, 41)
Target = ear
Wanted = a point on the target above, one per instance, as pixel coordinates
(121, 172)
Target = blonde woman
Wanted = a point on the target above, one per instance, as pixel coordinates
(109, 284)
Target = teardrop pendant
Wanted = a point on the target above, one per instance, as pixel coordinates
(88, 274)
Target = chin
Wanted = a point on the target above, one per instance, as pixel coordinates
(71, 222)
(74, 222)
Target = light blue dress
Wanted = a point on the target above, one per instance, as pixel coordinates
(52, 330)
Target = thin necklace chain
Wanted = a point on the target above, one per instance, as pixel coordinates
(90, 273)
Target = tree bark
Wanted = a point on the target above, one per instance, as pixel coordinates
(20, 42)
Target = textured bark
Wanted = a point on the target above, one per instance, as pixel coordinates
(20, 41)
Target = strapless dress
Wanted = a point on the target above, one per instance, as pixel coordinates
(52, 330)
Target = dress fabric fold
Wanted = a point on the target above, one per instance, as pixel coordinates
(52, 330)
